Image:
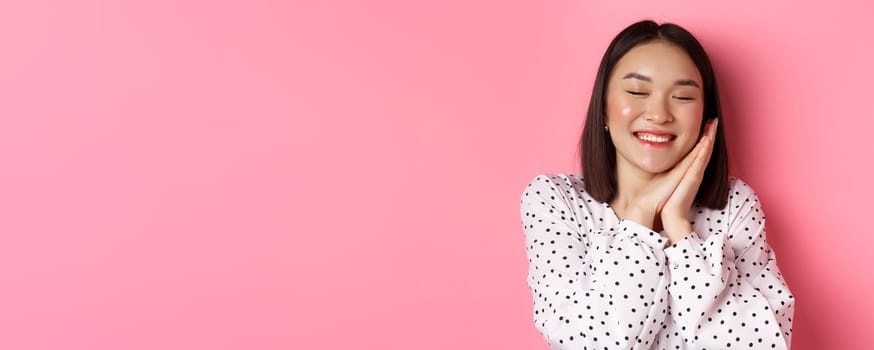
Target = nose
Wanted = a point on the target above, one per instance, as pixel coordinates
(657, 111)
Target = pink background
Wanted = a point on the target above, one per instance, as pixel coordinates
(346, 174)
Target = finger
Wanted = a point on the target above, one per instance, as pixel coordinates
(679, 176)
(705, 144)
(675, 179)
(696, 170)
(711, 139)
(712, 128)
(690, 180)
(683, 166)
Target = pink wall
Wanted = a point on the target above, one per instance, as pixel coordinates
(346, 175)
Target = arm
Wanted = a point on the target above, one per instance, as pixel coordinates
(604, 289)
(719, 298)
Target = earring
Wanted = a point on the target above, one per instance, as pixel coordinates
(606, 128)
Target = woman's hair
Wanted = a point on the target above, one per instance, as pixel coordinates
(597, 150)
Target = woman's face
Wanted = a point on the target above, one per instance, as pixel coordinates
(655, 106)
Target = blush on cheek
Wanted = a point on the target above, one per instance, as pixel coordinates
(626, 111)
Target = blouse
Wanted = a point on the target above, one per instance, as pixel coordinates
(600, 282)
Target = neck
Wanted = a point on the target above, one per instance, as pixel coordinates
(630, 182)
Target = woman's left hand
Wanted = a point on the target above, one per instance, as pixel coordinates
(675, 213)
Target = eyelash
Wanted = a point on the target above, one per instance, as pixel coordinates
(681, 98)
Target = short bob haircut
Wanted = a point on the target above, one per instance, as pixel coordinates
(597, 149)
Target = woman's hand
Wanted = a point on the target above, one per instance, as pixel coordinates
(645, 208)
(675, 212)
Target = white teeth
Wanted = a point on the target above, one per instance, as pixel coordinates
(653, 138)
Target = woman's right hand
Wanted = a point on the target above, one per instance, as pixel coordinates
(648, 205)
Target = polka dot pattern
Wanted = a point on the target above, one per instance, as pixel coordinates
(599, 282)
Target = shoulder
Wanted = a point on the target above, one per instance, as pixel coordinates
(558, 190)
(740, 194)
(745, 218)
(744, 212)
(560, 198)
(555, 184)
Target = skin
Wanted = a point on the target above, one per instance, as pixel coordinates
(656, 88)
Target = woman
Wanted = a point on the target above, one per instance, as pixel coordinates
(654, 246)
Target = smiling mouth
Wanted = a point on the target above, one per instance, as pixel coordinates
(659, 139)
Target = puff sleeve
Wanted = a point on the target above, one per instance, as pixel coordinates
(604, 288)
(720, 299)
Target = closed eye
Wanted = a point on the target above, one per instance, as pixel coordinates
(684, 98)
(636, 93)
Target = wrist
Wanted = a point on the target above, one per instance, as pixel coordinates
(640, 216)
(677, 229)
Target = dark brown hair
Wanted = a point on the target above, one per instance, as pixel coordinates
(596, 147)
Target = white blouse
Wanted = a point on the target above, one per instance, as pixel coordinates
(599, 282)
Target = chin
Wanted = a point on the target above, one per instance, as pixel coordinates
(656, 168)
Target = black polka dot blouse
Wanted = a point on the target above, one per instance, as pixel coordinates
(599, 282)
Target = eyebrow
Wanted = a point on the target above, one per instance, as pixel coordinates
(682, 82)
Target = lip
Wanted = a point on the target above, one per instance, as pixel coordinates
(655, 133)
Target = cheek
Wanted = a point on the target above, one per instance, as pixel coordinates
(623, 108)
(692, 124)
